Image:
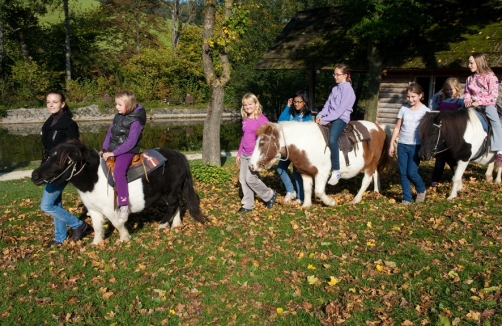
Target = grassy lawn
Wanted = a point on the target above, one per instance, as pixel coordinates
(58, 14)
(377, 263)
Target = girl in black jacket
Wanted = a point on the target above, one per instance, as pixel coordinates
(58, 128)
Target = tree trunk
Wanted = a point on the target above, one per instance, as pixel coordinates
(23, 45)
(67, 39)
(211, 135)
(375, 68)
(1, 45)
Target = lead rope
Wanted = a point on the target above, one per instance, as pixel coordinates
(285, 145)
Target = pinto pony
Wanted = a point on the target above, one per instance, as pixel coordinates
(303, 143)
(74, 162)
(462, 134)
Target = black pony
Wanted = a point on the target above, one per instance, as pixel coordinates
(74, 162)
(462, 134)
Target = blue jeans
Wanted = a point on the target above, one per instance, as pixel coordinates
(51, 204)
(407, 158)
(335, 131)
(282, 170)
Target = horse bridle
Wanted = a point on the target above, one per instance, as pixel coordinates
(278, 149)
(434, 151)
(71, 163)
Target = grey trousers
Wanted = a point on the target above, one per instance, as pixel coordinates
(496, 140)
(250, 183)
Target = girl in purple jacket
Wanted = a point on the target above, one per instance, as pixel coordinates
(123, 142)
(337, 111)
(252, 118)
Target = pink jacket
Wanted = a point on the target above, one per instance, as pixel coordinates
(482, 88)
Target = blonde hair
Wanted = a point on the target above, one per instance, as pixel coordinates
(481, 63)
(130, 100)
(250, 97)
(454, 84)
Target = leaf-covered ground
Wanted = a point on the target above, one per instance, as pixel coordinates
(376, 263)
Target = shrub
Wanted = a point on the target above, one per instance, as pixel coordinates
(207, 173)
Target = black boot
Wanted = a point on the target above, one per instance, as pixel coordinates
(79, 232)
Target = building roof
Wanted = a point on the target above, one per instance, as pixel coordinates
(313, 39)
(316, 39)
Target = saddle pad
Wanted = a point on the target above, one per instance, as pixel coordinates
(152, 161)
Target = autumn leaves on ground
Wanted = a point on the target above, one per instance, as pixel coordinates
(377, 263)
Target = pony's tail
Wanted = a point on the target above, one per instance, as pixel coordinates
(384, 155)
(190, 196)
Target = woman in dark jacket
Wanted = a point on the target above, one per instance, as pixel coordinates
(58, 128)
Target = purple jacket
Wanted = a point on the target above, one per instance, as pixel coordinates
(248, 140)
(339, 104)
(132, 139)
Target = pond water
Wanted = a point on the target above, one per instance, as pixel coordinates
(21, 142)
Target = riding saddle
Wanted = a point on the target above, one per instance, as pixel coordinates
(352, 134)
(142, 164)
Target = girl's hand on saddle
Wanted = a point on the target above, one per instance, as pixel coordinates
(318, 120)
(106, 155)
(468, 104)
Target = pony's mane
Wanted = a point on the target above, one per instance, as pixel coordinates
(453, 126)
(65, 149)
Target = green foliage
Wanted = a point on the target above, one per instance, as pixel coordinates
(207, 173)
(31, 81)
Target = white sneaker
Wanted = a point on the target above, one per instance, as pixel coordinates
(289, 196)
(299, 202)
(335, 176)
(123, 214)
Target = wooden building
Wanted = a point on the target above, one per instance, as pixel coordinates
(316, 40)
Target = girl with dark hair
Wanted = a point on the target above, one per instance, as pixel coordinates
(337, 111)
(58, 128)
(297, 109)
(408, 120)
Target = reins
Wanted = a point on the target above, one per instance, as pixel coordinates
(73, 164)
(434, 151)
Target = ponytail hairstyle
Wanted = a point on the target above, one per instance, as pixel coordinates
(130, 100)
(306, 109)
(481, 63)
(65, 108)
(417, 89)
(345, 70)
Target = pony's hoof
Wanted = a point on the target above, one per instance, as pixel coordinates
(126, 238)
(452, 197)
(163, 226)
(354, 201)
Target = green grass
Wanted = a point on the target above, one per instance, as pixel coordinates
(430, 264)
(57, 15)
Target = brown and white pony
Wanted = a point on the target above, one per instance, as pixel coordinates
(303, 143)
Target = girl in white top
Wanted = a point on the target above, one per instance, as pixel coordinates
(408, 120)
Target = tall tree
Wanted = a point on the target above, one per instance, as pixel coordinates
(181, 16)
(212, 47)
(67, 40)
(377, 24)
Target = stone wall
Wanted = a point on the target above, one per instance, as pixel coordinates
(92, 113)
